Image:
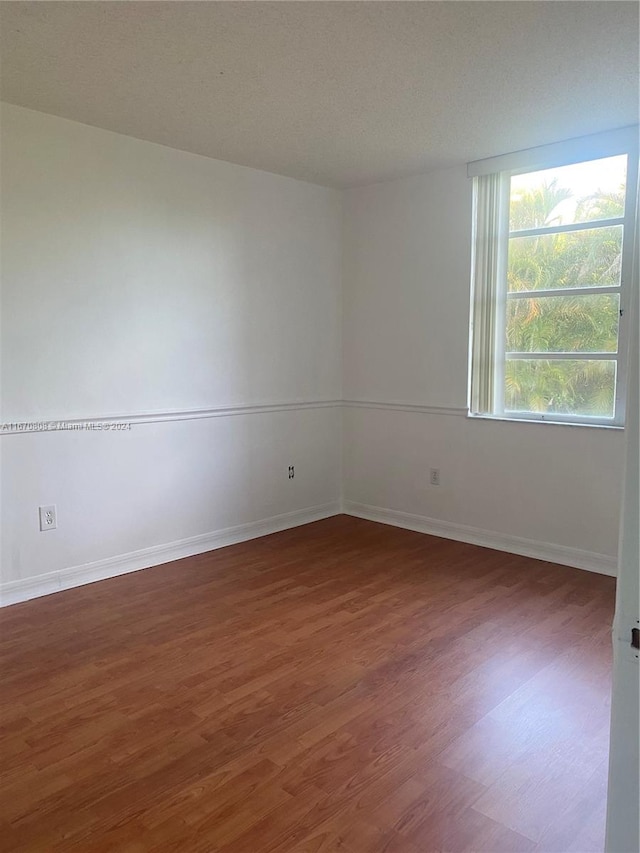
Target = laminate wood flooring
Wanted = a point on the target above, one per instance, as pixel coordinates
(344, 686)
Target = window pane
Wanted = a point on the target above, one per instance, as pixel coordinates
(565, 387)
(588, 258)
(577, 323)
(578, 193)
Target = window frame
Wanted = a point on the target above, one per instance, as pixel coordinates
(599, 146)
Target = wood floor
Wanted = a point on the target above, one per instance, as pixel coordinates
(342, 686)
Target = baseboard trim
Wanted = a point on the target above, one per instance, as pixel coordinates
(17, 591)
(550, 553)
(14, 592)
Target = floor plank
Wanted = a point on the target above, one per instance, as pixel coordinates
(342, 686)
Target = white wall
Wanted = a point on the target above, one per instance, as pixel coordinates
(164, 288)
(137, 279)
(541, 489)
(623, 801)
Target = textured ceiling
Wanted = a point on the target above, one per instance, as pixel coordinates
(338, 93)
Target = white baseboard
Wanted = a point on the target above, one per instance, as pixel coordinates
(551, 553)
(23, 590)
(14, 592)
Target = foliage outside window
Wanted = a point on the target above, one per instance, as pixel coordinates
(552, 260)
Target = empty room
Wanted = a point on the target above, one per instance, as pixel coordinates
(319, 436)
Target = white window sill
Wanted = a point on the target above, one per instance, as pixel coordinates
(546, 420)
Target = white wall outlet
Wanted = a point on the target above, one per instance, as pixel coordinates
(434, 476)
(48, 517)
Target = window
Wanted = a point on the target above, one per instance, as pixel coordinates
(551, 282)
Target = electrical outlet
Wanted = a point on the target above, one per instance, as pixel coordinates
(48, 517)
(292, 472)
(434, 476)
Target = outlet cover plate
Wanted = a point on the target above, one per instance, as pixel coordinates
(48, 517)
